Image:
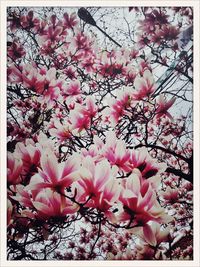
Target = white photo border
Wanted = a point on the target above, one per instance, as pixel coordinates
(196, 125)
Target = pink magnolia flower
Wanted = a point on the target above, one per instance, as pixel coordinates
(163, 107)
(14, 21)
(148, 166)
(50, 204)
(153, 234)
(130, 74)
(28, 21)
(41, 81)
(80, 41)
(70, 21)
(94, 150)
(30, 156)
(81, 116)
(14, 169)
(91, 107)
(153, 19)
(23, 196)
(78, 119)
(144, 86)
(140, 203)
(15, 50)
(53, 32)
(61, 131)
(88, 65)
(73, 89)
(119, 106)
(171, 195)
(169, 32)
(54, 175)
(32, 79)
(45, 201)
(70, 72)
(98, 185)
(116, 153)
(14, 74)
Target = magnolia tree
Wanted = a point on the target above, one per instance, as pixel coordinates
(99, 133)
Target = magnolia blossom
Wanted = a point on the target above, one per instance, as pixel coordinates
(140, 203)
(16, 50)
(148, 166)
(97, 186)
(30, 156)
(118, 108)
(23, 196)
(32, 79)
(78, 119)
(14, 74)
(49, 204)
(69, 21)
(52, 33)
(73, 89)
(81, 116)
(54, 175)
(171, 195)
(45, 201)
(28, 21)
(39, 80)
(163, 107)
(153, 234)
(144, 86)
(116, 153)
(61, 131)
(14, 169)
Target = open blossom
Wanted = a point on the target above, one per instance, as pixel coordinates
(14, 74)
(72, 89)
(98, 185)
(144, 86)
(171, 195)
(153, 234)
(54, 175)
(88, 65)
(78, 119)
(23, 196)
(118, 107)
(52, 33)
(28, 21)
(61, 131)
(39, 81)
(15, 50)
(140, 203)
(14, 169)
(69, 21)
(116, 153)
(148, 166)
(30, 156)
(45, 201)
(49, 204)
(163, 106)
(81, 116)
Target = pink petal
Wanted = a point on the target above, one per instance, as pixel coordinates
(149, 235)
(49, 164)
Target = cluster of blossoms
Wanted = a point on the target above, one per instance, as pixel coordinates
(93, 152)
